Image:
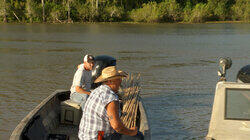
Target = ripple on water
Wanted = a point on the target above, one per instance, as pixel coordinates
(177, 64)
(178, 117)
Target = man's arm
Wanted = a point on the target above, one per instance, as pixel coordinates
(113, 114)
(81, 90)
(77, 80)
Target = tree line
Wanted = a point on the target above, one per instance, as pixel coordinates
(68, 11)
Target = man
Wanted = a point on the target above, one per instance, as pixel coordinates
(101, 112)
(81, 84)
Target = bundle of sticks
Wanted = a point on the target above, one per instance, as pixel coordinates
(130, 94)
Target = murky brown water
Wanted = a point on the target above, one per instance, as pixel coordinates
(177, 62)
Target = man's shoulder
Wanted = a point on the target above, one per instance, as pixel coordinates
(104, 93)
(109, 92)
(99, 89)
(103, 89)
(81, 70)
(81, 66)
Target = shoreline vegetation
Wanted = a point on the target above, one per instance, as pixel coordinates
(125, 11)
(127, 22)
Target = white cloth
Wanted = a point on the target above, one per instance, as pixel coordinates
(95, 116)
(82, 78)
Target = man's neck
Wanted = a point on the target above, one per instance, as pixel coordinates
(110, 86)
(84, 66)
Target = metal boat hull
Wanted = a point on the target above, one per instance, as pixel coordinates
(44, 119)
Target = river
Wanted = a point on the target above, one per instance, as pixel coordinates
(177, 62)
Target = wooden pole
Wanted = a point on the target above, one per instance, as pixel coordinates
(92, 10)
(92, 4)
(4, 12)
(130, 103)
(97, 5)
(16, 16)
(68, 4)
(131, 90)
(43, 10)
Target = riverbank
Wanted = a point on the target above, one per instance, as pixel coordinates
(147, 11)
(129, 22)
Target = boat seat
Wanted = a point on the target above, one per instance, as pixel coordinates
(71, 112)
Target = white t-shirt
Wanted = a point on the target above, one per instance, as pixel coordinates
(82, 78)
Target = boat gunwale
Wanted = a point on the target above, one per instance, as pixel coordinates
(144, 124)
(23, 124)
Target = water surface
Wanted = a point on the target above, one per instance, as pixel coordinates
(177, 62)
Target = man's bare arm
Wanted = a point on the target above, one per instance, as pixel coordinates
(113, 114)
(81, 90)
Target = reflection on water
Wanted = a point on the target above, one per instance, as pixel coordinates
(177, 62)
(28, 51)
(201, 63)
(44, 41)
(131, 52)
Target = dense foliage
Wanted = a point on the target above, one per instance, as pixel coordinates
(64, 11)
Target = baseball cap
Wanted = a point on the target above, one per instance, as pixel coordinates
(89, 58)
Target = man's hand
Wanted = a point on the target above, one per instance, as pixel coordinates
(135, 130)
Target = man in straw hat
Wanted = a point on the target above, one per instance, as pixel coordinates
(101, 112)
(81, 84)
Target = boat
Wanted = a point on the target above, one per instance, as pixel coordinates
(43, 122)
(230, 118)
(57, 117)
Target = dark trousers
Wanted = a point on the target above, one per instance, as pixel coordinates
(117, 136)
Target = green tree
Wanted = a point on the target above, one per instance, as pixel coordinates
(192, 3)
(110, 12)
(241, 10)
(56, 12)
(16, 10)
(68, 9)
(187, 11)
(148, 13)
(3, 10)
(170, 11)
(219, 9)
(30, 7)
(118, 10)
(199, 13)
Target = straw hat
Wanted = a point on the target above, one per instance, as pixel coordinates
(110, 73)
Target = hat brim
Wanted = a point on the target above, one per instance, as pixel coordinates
(119, 74)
